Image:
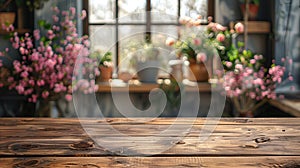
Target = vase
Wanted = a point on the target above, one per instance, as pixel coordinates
(105, 73)
(147, 71)
(197, 72)
(246, 106)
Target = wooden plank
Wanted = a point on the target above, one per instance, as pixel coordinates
(224, 140)
(20, 31)
(148, 121)
(145, 130)
(136, 87)
(289, 106)
(258, 27)
(108, 162)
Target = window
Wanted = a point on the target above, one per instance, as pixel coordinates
(112, 24)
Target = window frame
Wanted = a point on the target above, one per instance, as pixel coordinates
(148, 23)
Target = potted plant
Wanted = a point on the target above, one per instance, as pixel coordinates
(253, 8)
(147, 63)
(194, 47)
(7, 15)
(105, 65)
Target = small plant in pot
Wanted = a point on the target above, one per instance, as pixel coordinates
(7, 13)
(147, 63)
(253, 8)
(105, 65)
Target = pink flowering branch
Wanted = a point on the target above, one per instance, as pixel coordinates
(45, 70)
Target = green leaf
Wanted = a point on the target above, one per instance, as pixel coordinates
(47, 26)
(41, 23)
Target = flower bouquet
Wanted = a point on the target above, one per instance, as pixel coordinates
(49, 62)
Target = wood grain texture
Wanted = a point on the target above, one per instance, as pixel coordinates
(233, 142)
(132, 162)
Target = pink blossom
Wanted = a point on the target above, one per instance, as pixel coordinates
(220, 37)
(258, 57)
(55, 18)
(60, 60)
(68, 97)
(45, 94)
(31, 82)
(50, 34)
(228, 64)
(20, 89)
(239, 67)
(197, 41)
(36, 34)
(252, 61)
(201, 57)
(73, 10)
(258, 81)
(239, 27)
(40, 82)
(34, 98)
(24, 74)
(83, 14)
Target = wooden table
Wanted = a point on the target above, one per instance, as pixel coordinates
(234, 142)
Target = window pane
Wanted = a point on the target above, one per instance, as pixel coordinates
(164, 10)
(103, 38)
(131, 39)
(194, 8)
(132, 11)
(101, 11)
(159, 36)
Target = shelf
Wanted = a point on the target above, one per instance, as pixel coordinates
(137, 87)
(259, 27)
(20, 31)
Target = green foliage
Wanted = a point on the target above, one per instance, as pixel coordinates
(100, 57)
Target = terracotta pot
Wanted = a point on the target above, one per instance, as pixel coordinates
(7, 18)
(253, 11)
(105, 73)
(197, 72)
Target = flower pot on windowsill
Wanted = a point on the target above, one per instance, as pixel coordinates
(7, 18)
(105, 73)
(197, 72)
(147, 71)
(253, 11)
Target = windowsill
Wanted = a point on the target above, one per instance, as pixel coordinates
(20, 31)
(134, 86)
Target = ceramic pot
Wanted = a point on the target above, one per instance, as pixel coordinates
(197, 72)
(147, 71)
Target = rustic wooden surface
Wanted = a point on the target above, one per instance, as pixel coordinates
(235, 142)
